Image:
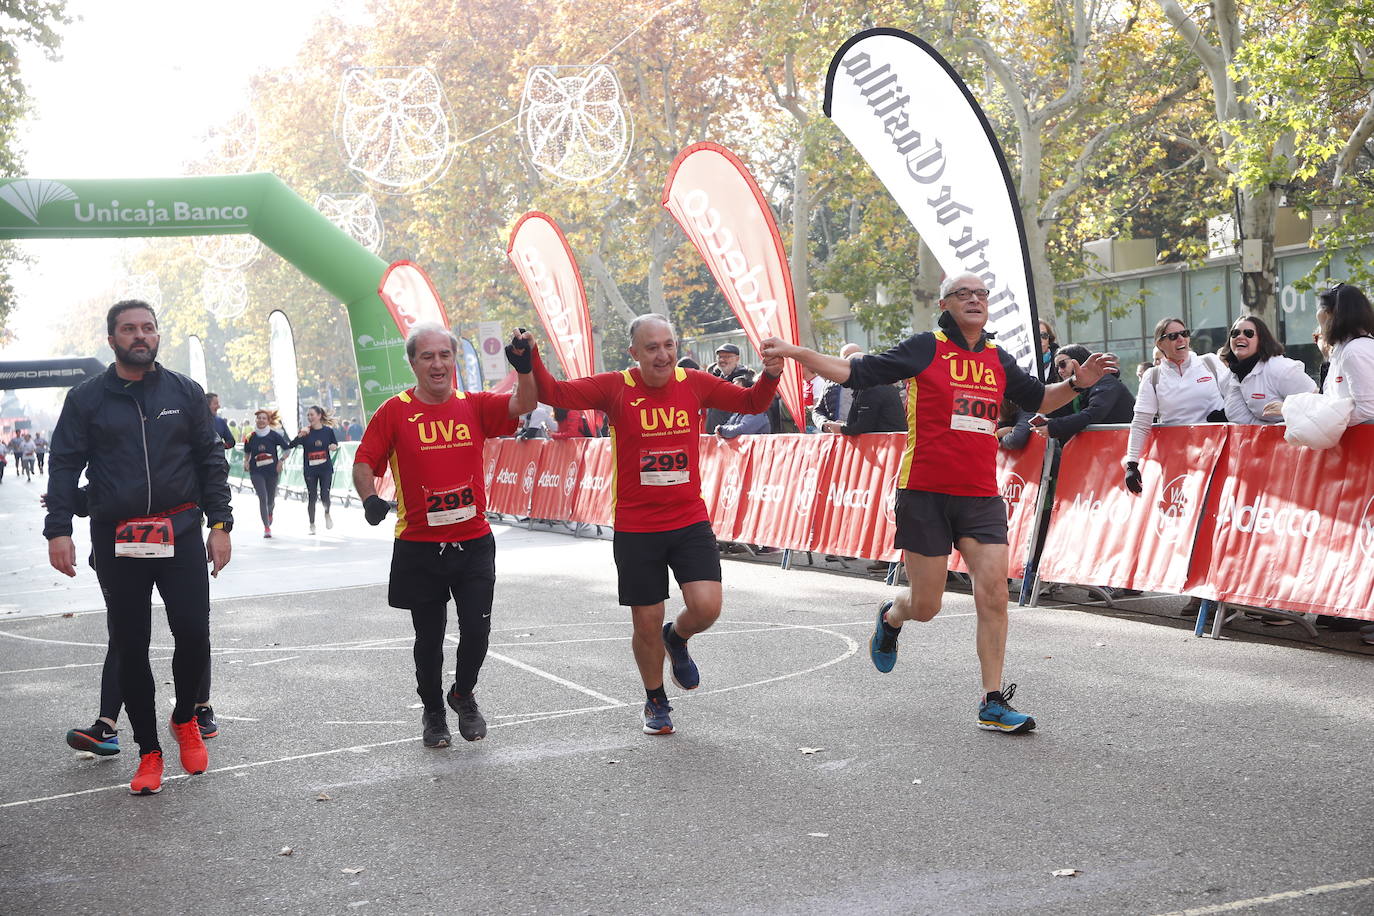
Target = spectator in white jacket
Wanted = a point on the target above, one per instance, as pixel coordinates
(1184, 388)
(1347, 322)
(1261, 376)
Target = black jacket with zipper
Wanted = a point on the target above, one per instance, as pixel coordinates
(137, 464)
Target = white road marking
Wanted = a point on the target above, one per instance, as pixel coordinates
(272, 661)
(1273, 898)
(556, 679)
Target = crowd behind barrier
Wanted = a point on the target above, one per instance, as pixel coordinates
(1229, 513)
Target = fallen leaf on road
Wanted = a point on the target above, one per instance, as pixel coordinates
(69, 614)
(352, 871)
(915, 782)
(612, 761)
(323, 796)
(1066, 873)
(810, 750)
(819, 836)
(286, 851)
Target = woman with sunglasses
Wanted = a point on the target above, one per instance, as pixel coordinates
(1184, 388)
(1347, 324)
(1261, 376)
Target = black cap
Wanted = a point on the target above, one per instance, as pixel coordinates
(728, 348)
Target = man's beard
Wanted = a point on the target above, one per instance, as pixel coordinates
(141, 358)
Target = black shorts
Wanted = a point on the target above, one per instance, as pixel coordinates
(642, 560)
(427, 573)
(930, 523)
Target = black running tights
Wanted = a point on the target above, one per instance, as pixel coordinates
(319, 481)
(265, 485)
(184, 584)
(473, 597)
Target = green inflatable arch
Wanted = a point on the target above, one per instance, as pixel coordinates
(259, 204)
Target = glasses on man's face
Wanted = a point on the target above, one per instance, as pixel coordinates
(1248, 332)
(1061, 365)
(1044, 335)
(963, 294)
(1175, 335)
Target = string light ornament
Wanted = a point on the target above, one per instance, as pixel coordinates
(355, 214)
(143, 287)
(394, 125)
(227, 252)
(229, 148)
(574, 122)
(224, 293)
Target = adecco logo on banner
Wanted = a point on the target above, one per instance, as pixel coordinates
(527, 481)
(1262, 519)
(1364, 531)
(490, 471)
(570, 477)
(890, 504)
(593, 483)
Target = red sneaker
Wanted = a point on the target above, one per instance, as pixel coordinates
(148, 779)
(194, 758)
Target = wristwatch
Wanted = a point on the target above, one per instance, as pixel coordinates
(226, 527)
(1073, 383)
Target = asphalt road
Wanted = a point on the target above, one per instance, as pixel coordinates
(1172, 773)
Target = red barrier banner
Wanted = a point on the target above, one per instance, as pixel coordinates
(512, 482)
(725, 473)
(560, 465)
(591, 503)
(784, 481)
(1101, 534)
(854, 499)
(1292, 528)
(1018, 480)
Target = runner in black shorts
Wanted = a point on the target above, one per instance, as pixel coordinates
(643, 558)
(949, 496)
(660, 519)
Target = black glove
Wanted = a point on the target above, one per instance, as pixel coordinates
(518, 353)
(376, 509)
(1133, 479)
(1217, 416)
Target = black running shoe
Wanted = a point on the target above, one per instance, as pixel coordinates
(471, 725)
(436, 732)
(205, 718)
(99, 739)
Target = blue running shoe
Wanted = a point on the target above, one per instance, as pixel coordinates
(685, 673)
(655, 716)
(996, 714)
(99, 739)
(882, 645)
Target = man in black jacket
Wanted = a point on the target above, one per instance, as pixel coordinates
(1108, 401)
(135, 417)
(873, 410)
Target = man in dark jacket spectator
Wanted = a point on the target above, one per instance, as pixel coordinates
(1108, 401)
(872, 410)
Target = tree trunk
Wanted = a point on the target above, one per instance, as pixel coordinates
(800, 261)
(1258, 213)
(609, 288)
